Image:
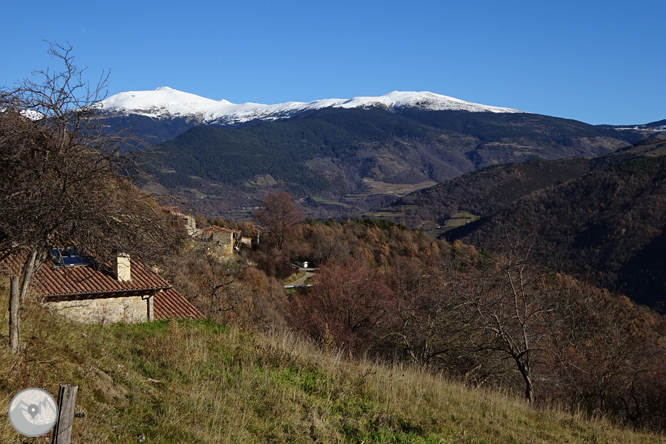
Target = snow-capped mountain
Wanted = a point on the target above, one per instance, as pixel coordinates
(165, 103)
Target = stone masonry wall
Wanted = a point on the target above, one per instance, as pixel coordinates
(224, 242)
(131, 309)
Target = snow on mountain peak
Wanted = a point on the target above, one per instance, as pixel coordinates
(424, 100)
(165, 102)
(160, 103)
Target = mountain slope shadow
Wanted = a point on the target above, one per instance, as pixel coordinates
(643, 277)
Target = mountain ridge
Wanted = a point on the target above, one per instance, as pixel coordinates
(354, 153)
(360, 157)
(165, 102)
(484, 191)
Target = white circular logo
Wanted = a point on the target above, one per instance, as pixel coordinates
(33, 412)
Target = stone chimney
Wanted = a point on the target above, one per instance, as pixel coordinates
(122, 267)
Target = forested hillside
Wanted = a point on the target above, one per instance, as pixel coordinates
(485, 191)
(607, 225)
(351, 156)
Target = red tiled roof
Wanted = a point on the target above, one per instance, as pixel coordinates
(170, 304)
(52, 281)
(99, 281)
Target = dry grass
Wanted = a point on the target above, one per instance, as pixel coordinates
(199, 382)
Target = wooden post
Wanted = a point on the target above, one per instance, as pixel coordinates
(62, 432)
(14, 319)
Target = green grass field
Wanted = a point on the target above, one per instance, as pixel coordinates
(459, 219)
(329, 202)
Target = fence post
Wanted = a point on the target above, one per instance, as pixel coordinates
(14, 319)
(62, 432)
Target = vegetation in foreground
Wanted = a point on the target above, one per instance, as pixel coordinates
(201, 382)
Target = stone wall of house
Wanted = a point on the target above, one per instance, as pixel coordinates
(224, 241)
(191, 226)
(131, 309)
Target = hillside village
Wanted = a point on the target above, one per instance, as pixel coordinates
(123, 290)
(177, 326)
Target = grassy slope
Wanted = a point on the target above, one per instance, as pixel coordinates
(198, 382)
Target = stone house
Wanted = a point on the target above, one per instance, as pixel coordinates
(188, 220)
(247, 241)
(123, 291)
(224, 240)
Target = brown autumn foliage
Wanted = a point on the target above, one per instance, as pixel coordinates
(363, 239)
(228, 289)
(280, 219)
(610, 355)
(498, 321)
(348, 306)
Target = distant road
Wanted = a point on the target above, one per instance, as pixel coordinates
(309, 272)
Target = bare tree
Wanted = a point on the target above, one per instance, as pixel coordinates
(279, 217)
(213, 277)
(60, 181)
(512, 310)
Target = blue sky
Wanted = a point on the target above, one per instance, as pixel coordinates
(595, 61)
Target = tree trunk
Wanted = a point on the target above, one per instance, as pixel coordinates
(28, 273)
(14, 332)
(529, 390)
(527, 378)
